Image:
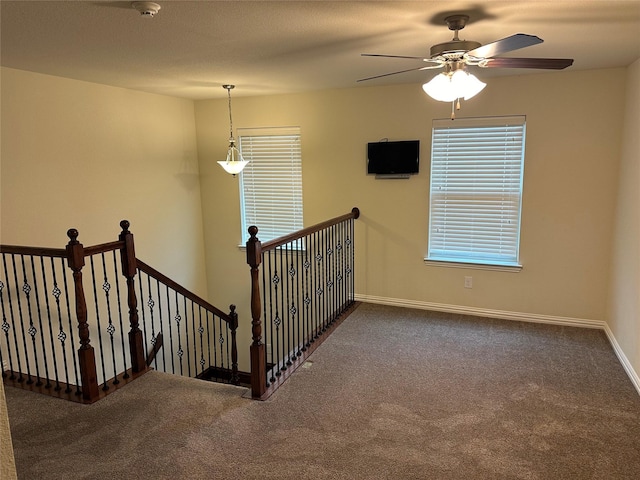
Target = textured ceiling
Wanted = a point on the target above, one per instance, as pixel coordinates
(190, 48)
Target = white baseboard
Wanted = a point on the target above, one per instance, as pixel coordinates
(505, 315)
(633, 376)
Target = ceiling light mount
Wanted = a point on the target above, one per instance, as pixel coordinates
(146, 9)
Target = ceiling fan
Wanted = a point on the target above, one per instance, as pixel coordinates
(457, 54)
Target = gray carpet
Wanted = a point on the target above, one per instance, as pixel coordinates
(392, 394)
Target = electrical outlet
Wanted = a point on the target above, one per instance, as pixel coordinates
(468, 282)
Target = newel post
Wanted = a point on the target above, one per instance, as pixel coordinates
(86, 354)
(129, 270)
(257, 350)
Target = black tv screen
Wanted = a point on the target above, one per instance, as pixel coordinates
(393, 158)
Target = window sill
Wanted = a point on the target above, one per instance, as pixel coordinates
(475, 266)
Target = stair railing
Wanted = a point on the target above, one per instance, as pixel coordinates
(304, 291)
(36, 298)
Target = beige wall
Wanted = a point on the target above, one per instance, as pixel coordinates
(625, 284)
(66, 146)
(82, 155)
(571, 172)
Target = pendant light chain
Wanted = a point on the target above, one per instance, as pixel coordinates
(229, 87)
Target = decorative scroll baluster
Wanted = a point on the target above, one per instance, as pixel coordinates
(86, 354)
(169, 318)
(193, 331)
(105, 385)
(120, 322)
(201, 332)
(25, 289)
(111, 329)
(269, 337)
(62, 336)
(180, 351)
(50, 325)
(151, 304)
(33, 331)
(8, 326)
(161, 329)
(76, 359)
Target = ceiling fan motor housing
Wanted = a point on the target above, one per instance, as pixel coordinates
(453, 49)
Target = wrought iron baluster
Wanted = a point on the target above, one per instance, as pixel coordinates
(169, 317)
(298, 290)
(111, 329)
(151, 304)
(120, 321)
(52, 345)
(105, 385)
(268, 334)
(211, 333)
(193, 330)
(290, 307)
(161, 330)
(319, 284)
(201, 332)
(144, 318)
(307, 298)
(6, 326)
(26, 289)
(178, 318)
(282, 310)
(186, 334)
(71, 329)
(223, 342)
(62, 336)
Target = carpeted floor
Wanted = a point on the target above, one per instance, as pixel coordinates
(392, 394)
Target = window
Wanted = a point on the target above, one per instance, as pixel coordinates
(271, 183)
(476, 190)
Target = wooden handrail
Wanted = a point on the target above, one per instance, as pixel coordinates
(152, 272)
(102, 248)
(278, 242)
(37, 251)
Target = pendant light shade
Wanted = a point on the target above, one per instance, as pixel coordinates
(234, 162)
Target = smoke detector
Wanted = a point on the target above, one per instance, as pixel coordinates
(146, 9)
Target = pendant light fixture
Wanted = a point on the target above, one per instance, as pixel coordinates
(234, 162)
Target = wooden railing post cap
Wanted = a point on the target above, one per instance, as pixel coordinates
(124, 224)
(72, 233)
(253, 230)
(356, 212)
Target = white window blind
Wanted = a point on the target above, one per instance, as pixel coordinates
(476, 190)
(271, 183)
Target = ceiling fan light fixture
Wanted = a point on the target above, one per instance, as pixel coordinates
(447, 87)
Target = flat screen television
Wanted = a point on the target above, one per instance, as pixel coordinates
(400, 158)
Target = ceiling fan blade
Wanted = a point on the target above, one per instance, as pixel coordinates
(401, 71)
(508, 44)
(391, 56)
(546, 63)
